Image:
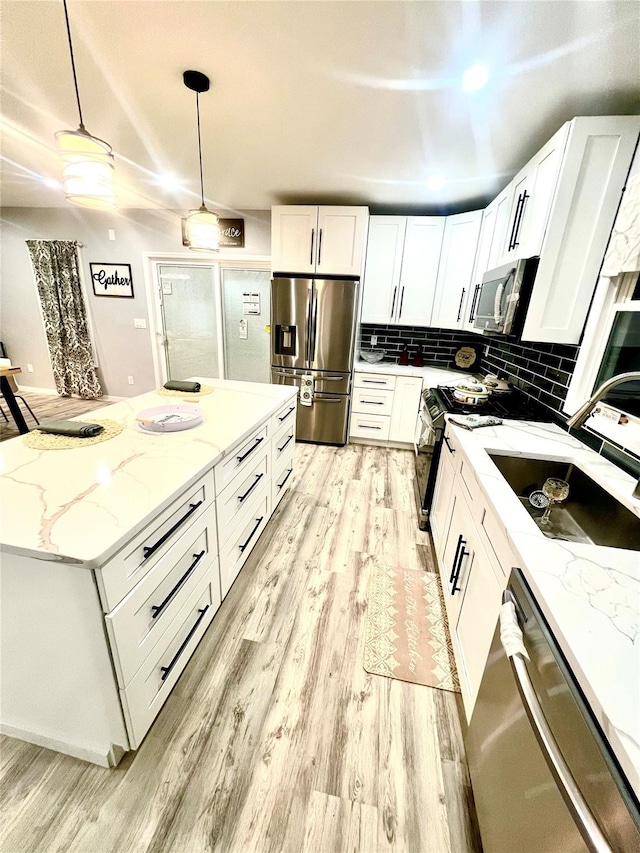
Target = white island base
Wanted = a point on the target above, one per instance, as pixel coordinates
(116, 556)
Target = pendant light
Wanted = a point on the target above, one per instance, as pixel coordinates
(202, 231)
(87, 162)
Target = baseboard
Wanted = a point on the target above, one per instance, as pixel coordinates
(109, 398)
(392, 445)
(104, 758)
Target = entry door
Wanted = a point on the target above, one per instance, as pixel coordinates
(246, 317)
(190, 320)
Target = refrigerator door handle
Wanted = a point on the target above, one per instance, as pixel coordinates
(309, 312)
(318, 399)
(330, 378)
(286, 373)
(577, 805)
(313, 326)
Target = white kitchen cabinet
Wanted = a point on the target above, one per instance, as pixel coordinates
(318, 240)
(404, 413)
(596, 161)
(403, 254)
(440, 516)
(502, 206)
(455, 270)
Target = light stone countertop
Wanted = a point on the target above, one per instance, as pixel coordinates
(589, 594)
(431, 376)
(81, 505)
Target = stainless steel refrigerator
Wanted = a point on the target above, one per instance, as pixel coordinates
(312, 333)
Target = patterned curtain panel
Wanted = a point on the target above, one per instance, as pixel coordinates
(55, 263)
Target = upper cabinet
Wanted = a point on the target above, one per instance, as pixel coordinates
(312, 240)
(401, 270)
(570, 226)
(454, 284)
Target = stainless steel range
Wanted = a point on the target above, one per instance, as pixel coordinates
(436, 402)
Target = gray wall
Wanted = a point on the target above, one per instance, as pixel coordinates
(122, 350)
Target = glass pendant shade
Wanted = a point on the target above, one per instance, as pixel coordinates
(87, 169)
(202, 230)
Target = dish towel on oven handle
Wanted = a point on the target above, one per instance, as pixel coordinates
(306, 389)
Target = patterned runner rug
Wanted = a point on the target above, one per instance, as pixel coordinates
(407, 636)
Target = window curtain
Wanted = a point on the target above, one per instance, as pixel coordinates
(56, 268)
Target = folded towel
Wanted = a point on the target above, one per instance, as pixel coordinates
(78, 429)
(179, 385)
(306, 389)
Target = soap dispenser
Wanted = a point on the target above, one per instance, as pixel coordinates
(404, 355)
(417, 360)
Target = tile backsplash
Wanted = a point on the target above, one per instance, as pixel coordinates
(542, 371)
(438, 345)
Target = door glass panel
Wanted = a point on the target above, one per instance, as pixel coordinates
(621, 356)
(246, 312)
(190, 321)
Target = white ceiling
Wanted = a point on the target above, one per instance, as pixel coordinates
(331, 102)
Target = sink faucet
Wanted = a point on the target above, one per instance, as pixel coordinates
(586, 408)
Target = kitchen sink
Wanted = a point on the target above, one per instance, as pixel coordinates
(590, 514)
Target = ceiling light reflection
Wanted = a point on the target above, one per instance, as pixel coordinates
(475, 78)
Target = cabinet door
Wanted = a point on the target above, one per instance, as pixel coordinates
(544, 180)
(440, 516)
(521, 186)
(382, 270)
(294, 232)
(420, 261)
(502, 205)
(457, 556)
(456, 266)
(594, 169)
(487, 228)
(406, 403)
(473, 631)
(340, 240)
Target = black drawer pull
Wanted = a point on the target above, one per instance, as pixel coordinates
(366, 426)
(165, 670)
(280, 449)
(455, 558)
(280, 485)
(374, 381)
(446, 441)
(156, 610)
(251, 449)
(372, 402)
(258, 522)
(148, 550)
(286, 414)
(251, 487)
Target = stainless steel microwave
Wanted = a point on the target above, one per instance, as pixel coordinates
(504, 296)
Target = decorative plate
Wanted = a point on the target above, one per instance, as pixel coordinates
(169, 418)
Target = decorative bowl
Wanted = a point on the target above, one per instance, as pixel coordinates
(372, 356)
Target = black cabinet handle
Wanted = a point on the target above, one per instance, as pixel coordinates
(280, 449)
(251, 449)
(251, 487)
(515, 222)
(393, 303)
(372, 402)
(455, 558)
(448, 443)
(286, 414)
(148, 550)
(455, 588)
(313, 234)
(401, 301)
(472, 313)
(320, 247)
(165, 670)
(374, 381)
(280, 485)
(366, 426)
(516, 240)
(156, 610)
(258, 522)
(464, 290)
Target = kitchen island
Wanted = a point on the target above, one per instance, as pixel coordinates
(588, 593)
(115, 558)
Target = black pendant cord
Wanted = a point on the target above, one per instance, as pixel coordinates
(73, 64)
(199, 147)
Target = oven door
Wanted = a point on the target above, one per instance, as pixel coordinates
(427, 452)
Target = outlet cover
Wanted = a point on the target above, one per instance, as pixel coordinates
(140, 323)
(29, 368)
(130, 380)
(374, 340)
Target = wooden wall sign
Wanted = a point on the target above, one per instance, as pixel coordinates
(231, 233)
(112, 280)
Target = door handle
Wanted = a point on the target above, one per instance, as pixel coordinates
(156, 609)
(292, 409)
(516, 240)
(251, 449)
(250, 537)
(251, 488)
(313, 234)
(455, 558)
(447, 442)
(401, 301)
(472, 313)
(320, 247)
(148, 550)
(372, 402)
(463, 553)
(280, 449)
(165, 670)
(318, 399)
(585, 821)
(464, 290)
(393, 301)
(515, 220)
(281, 485)
(313, 326)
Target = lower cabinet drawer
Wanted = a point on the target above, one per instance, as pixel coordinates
(138, 623)
(151, 546)
(284, 418)
(283, 443)
(244, 536)
(372, 402)
(369, 426)
(239, 493)
(148, 690)
(374, 380)
(241, 457)
(281, 479)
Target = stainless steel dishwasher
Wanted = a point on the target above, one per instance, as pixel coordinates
(544, 778)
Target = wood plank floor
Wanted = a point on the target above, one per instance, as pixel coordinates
(275, 739)
(44, 407)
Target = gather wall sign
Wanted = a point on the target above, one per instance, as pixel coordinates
(112, 280)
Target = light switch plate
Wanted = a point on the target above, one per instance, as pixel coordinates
(140, 323)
